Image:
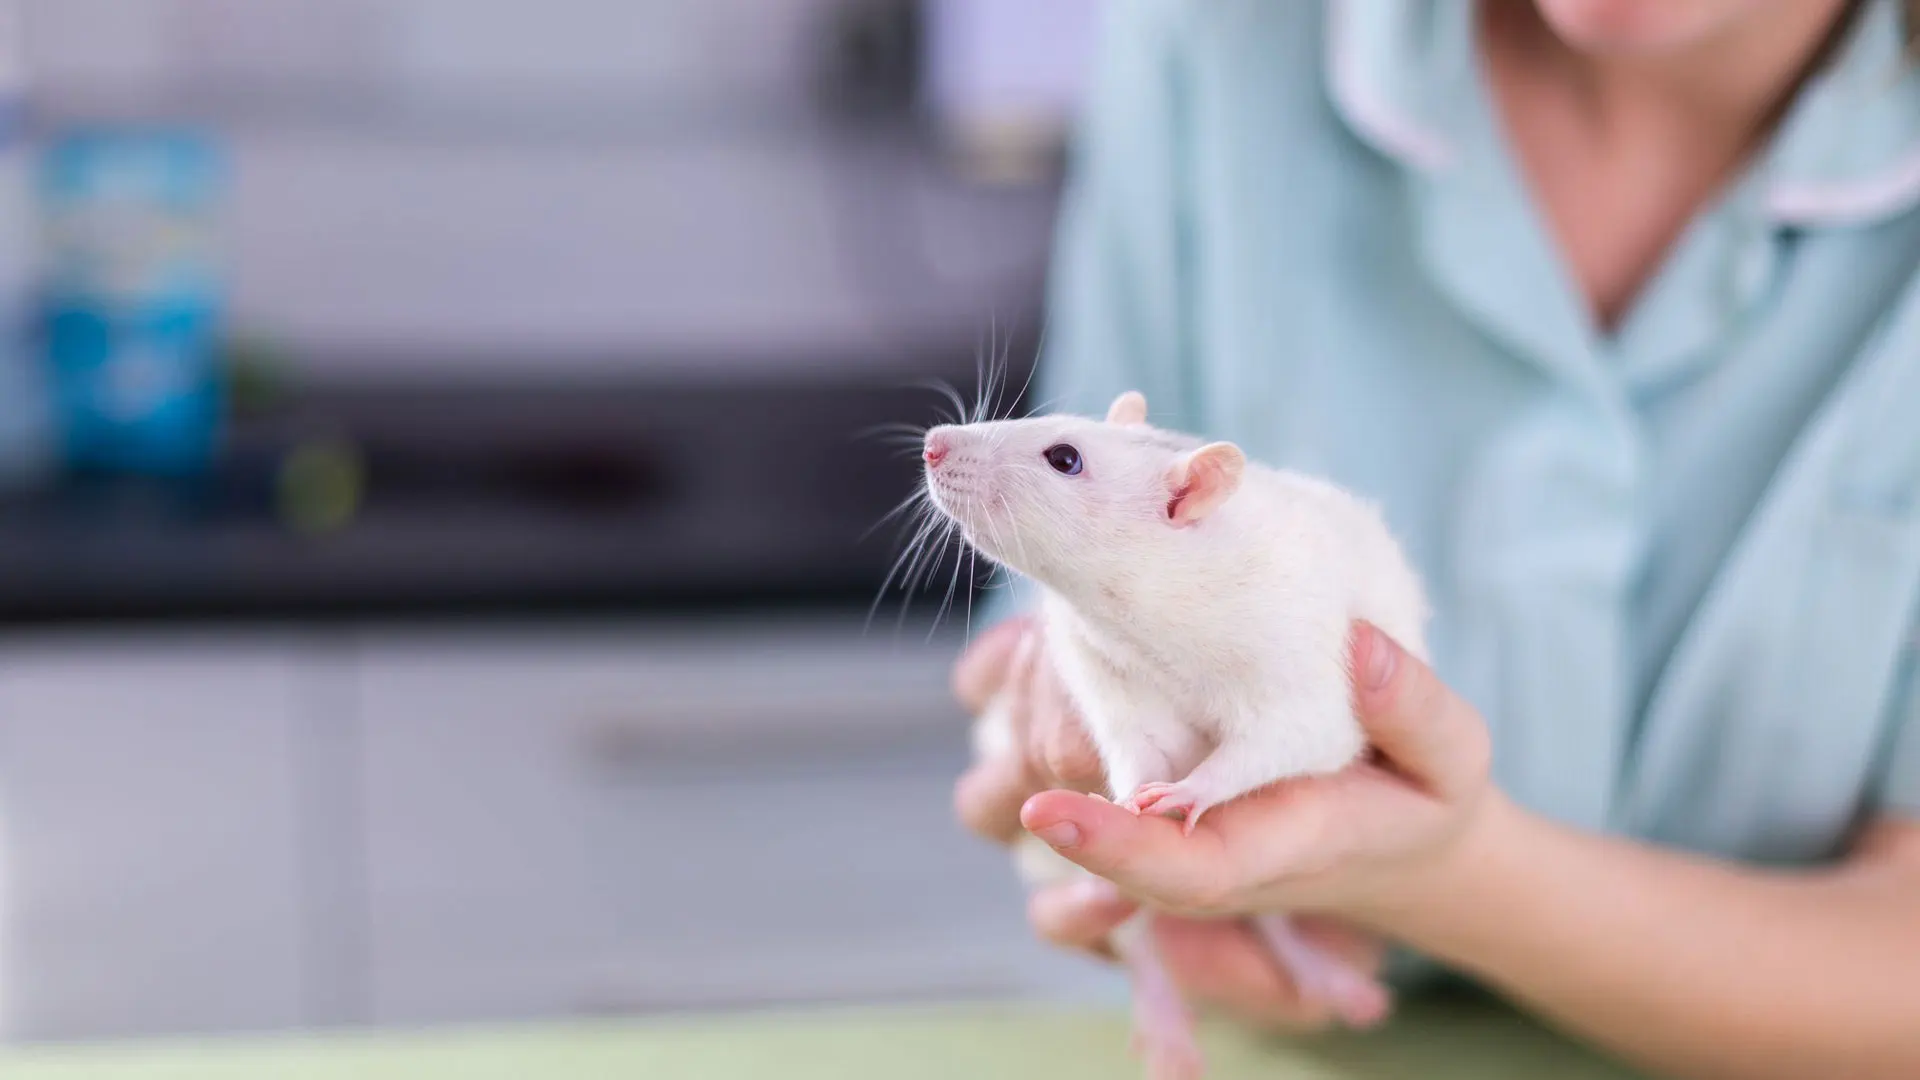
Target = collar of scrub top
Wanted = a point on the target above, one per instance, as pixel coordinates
(1848, 152)
(1403, 76)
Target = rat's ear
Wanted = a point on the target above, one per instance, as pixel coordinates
(1203, 480)
(1128, 408)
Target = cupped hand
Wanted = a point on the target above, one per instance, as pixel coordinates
(1052, 750)
(1219, 964)
(1354, 845)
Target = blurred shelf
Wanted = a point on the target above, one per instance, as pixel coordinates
(505, 498)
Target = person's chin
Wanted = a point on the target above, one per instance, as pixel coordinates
(1632, 27)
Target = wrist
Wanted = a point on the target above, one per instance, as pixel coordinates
(1454, 878)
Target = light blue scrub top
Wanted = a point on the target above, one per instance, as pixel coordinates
(1677, 566)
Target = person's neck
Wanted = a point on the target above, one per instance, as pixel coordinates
(1729, 87)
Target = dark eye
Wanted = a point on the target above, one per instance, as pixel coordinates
(1064, 459)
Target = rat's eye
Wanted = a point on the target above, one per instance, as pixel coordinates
(1064, 459)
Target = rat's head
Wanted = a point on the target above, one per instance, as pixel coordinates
(1077, 503)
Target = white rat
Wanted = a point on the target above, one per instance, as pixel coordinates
(1198, 609)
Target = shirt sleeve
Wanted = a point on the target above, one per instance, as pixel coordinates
(1118, 302)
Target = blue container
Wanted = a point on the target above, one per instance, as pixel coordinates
(133, 297)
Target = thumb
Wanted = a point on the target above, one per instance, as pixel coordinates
(1147, 857)
(986, 663)
(1419, 724)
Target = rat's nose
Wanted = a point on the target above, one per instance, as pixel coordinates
(936, 449)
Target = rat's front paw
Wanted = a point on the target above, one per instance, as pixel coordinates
(1169, 799)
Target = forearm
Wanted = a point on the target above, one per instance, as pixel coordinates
(1692, 967)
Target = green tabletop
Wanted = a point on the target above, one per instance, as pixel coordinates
(1433, 1040)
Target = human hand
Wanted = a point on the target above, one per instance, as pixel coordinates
(1220, 964)
(1223, 964)
(1356, 844)
(1052, 749)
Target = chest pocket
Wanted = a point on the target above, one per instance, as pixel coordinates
(1763, 737)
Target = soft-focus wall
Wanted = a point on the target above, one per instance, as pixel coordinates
(602, 182)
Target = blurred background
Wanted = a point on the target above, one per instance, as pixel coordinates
(434, 495)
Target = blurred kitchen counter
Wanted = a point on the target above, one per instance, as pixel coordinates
(512, 703)
(1430, 1040)
(505, 496)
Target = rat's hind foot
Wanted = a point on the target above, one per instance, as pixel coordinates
(1170, 1058)
(1163, 1035)
(1324, 977)
(1163, 1031)
(1169, 799)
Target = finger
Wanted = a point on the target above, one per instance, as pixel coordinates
(1223, 965)
(1361, 950)
(1065, 749)
(987, 797)
(983, 667)
(1253, 842)
(1426, 730)
(1226, 964)
(1080, 916)
(1147, 857)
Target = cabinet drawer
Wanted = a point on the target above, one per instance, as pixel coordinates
(634, 820)
(147, 795)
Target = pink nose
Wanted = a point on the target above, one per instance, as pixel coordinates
(935, 452)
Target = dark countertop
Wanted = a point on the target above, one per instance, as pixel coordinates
(500, 498)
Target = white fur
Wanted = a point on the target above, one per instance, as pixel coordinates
(1207, 648)
(1218, 649)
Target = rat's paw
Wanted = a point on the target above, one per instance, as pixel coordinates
(1170, 799)
(1169, 1050)
(1177, 1060)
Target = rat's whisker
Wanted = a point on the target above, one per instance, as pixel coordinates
(893, 571)
(921, 547)
(923, 523)
(1005, 374)
(917, 500)
(933, 542)
(1050, 403)
(923, 572)
(894, 427)
(951, 396)
(973, 583)
(1039, 351)
(946, 604)
(979, 376)
(983, 369)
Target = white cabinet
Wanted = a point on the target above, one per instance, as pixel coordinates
(150, 874)
(278, 829)
(571, 823)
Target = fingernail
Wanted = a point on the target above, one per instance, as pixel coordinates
(1061, 834)
(1382, 658)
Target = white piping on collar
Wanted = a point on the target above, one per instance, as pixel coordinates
(1366, 108)
(1400, 135)
(1852, 203)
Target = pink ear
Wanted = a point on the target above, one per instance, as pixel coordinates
(1203, 480)
(1128, 408)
